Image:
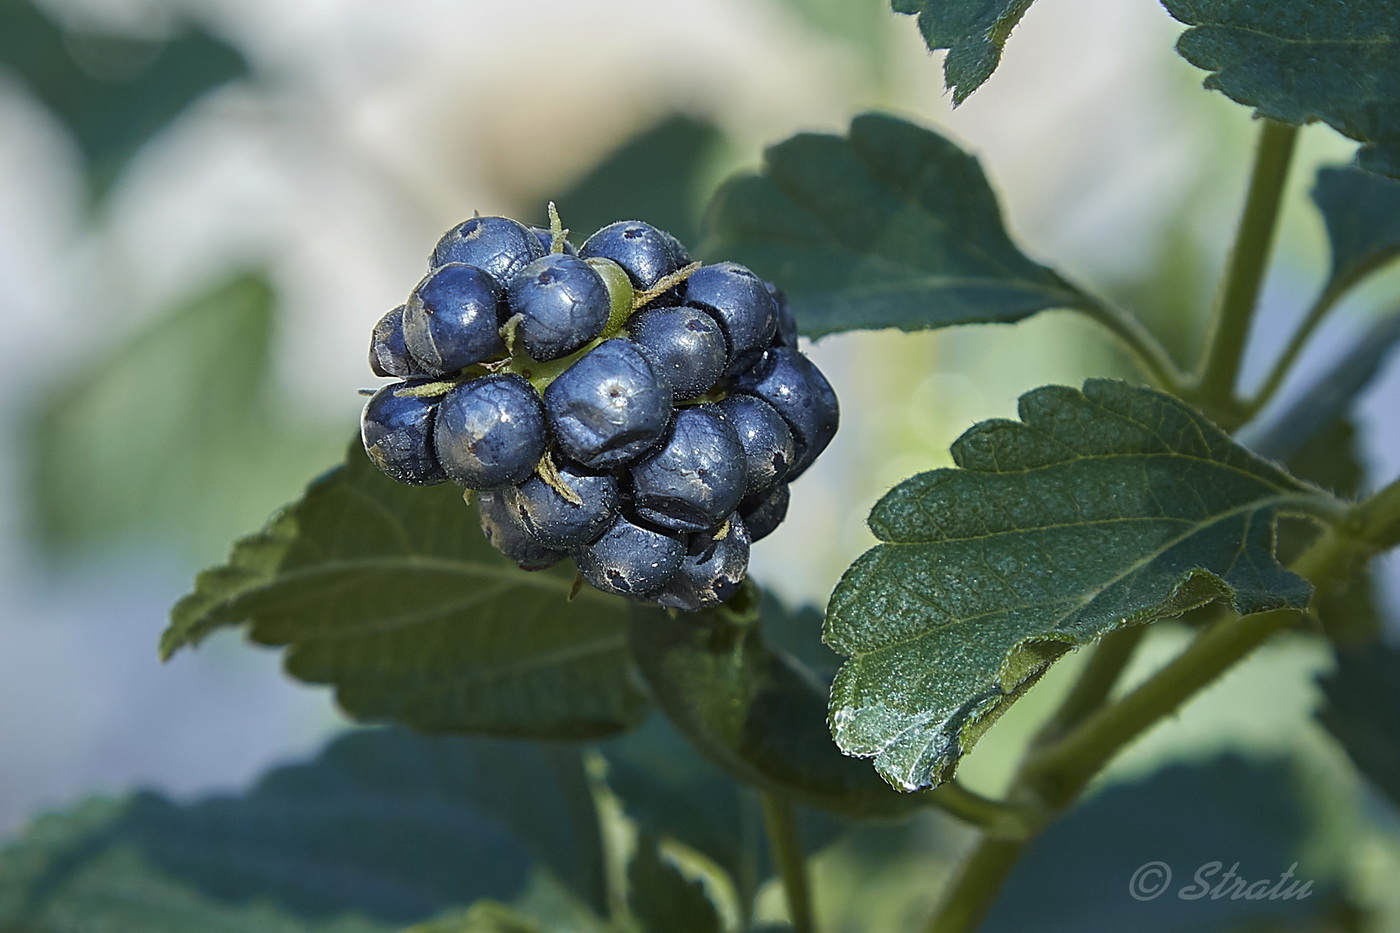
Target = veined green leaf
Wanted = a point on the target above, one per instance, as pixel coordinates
(889, 226)
(1362, 213)
(1298, 61)
(974, 33)
(391, 594)
(1099, 509)
(383, 829)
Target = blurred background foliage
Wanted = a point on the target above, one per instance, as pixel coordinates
(206, 206)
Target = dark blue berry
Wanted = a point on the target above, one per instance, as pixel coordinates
(629, 559)
(769, 449)
(740, 302)
(562, 304)
(786, 333)
(712, 569)
(763, 514)
(688, 345)
(696, 477)
(554, 521)
(546, 239)
(639, 248)
(501, 525)
(611, 405)
(451, 320)
(490, 432)
(388, 354)
(678, 251)
(792, 384)
(497, 245)
(398, 435)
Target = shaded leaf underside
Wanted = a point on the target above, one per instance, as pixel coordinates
(1098, 510)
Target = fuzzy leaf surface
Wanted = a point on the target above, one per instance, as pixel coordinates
(1099, 509)
(973, 31)
(1299, 61)
(891, 225)
(391, 594)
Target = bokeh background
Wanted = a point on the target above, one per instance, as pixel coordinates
(206, 204)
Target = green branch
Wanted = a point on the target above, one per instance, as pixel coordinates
(1253, 241)
(1146, 349)
(1284, 364)
(786, 847)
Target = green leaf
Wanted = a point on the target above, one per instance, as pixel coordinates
(136, 444)
(658, 176)
(1112, 507)
(392, 594)
(890, 226)
(1363, 711)
(1297, 61)
(113, 92)
(383, 828)
(483, 917)
(754, 712)
(1187, 818)
(662, 898)
(1362, 213)
(974, 33)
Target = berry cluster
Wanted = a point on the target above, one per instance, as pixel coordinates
(616, 404)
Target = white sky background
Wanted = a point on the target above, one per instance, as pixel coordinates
(391, 121)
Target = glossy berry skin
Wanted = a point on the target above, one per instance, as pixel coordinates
(740, 302)
(398, 435)
(630, 559)
(501, 525)
(696, 477)
(490, 432)
(792, 384)
(388, 354)
(499, 246)
(712, 569)
(679, 253)
(688, 345)
(546, 239)
(562, 304)
(786, 333)
(643, 251)
(551, 520)
(451, 320)
(609, 406)
(763, 514)
(769, 449)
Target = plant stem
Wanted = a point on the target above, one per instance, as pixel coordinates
(1147, 350)
(1284, 364)
(1225, 349)
(1096, 681)
(974, 887)
(1377, 519)
(786, 847)
(1002, 820)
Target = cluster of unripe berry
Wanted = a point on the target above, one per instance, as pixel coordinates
(616, 404)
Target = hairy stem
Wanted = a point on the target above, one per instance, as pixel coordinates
(1096, 681)
(1146, 349)
(998, 819)
(786, 847)
(1253, 241)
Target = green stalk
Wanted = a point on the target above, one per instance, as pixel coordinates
(786, 846)
(1253, 241)
(1146, 349)
(1284, 364)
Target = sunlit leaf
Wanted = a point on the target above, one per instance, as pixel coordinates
(974, 33)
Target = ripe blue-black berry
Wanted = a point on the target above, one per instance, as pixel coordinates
(490, 432)
(452, 320)
(792, 384)
(769, 449)
(609, 406)
(554, 521)
(562, 304)
(712, 570)
(397, 432)
(786, 333)
(498, 246)
(688, 345)
(388, 354)
(763, 514)
(696, 477)
(639, 248)
(502, 527)
(740, 302)
(630, 559)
